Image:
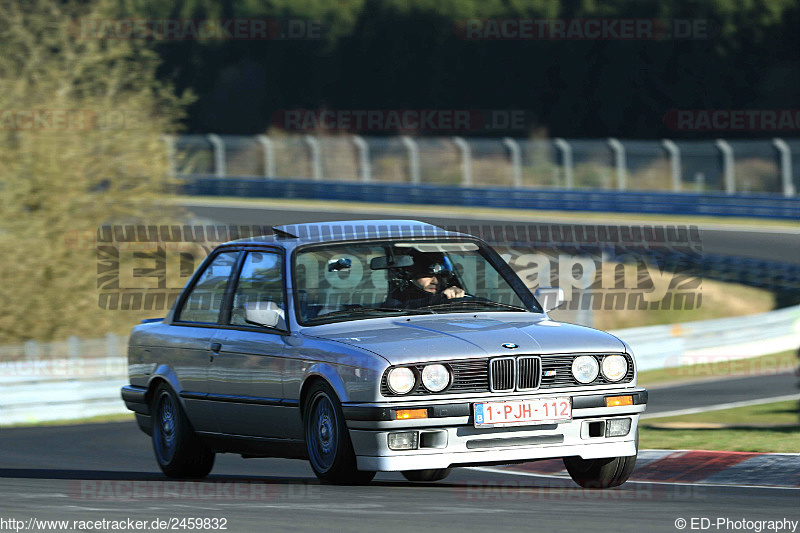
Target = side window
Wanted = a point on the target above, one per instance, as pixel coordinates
(258, 300)
(205, 301)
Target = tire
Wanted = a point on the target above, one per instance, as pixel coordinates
(330, 450)
(603, 473)
(600, 473)
(179, 451)
(428, 475)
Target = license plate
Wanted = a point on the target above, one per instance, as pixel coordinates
(523, 412)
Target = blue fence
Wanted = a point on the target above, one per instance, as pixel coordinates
(695, 204)
(773, 275)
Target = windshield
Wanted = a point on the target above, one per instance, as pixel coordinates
(337, 282)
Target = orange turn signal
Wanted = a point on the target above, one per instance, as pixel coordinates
(408, 414)
(616, 401)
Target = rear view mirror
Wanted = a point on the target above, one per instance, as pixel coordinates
(549, 297)
(384, 262)
(267, 314)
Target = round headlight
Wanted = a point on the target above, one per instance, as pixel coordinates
(614, 367)
(435, 377)
(585, 368)
(401, 380)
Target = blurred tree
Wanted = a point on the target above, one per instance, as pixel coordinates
(81, 122)
(407, 53)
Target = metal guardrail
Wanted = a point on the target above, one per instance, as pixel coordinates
(42, 390)
(704, 341)
(763, 206)
(728, 167)
(73, 348)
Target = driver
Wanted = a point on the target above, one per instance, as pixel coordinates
(427, 283)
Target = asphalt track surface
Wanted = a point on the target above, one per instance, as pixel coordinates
(709, 393)
(107, 471)
(770, 243)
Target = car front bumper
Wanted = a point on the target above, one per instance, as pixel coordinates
(446, 441)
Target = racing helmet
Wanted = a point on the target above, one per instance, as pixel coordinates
(430, 264)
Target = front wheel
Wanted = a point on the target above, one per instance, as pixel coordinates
(330, 450)
(428, 475)
(179, 452)
(603, 473)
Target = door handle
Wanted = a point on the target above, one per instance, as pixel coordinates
(216, 347)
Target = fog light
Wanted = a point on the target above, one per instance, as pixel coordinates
(410, 414)
(618, 427)
(406, 440)
(616, 401)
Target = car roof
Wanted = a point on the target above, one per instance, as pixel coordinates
(349, 230)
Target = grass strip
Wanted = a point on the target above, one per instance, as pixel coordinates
(773, 427)
(778, 363)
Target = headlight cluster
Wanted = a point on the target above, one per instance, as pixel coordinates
(614, 367)
(435, 378)
(585, 368)
(401, 380)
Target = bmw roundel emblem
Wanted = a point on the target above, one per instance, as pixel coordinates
(510, 345)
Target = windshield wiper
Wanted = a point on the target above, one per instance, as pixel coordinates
(378, 310)
(462, 303)
(402, 309)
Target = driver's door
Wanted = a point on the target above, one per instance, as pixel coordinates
(245, 376)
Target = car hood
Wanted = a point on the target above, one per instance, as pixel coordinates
(420, 339)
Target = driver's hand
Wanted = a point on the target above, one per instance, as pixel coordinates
(453, 292)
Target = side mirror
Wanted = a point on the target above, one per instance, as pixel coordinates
(267, 314)
(335, 265)
(550, 297)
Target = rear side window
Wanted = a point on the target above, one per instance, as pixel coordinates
(205, 301)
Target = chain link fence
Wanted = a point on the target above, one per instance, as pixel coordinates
(738, 166)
